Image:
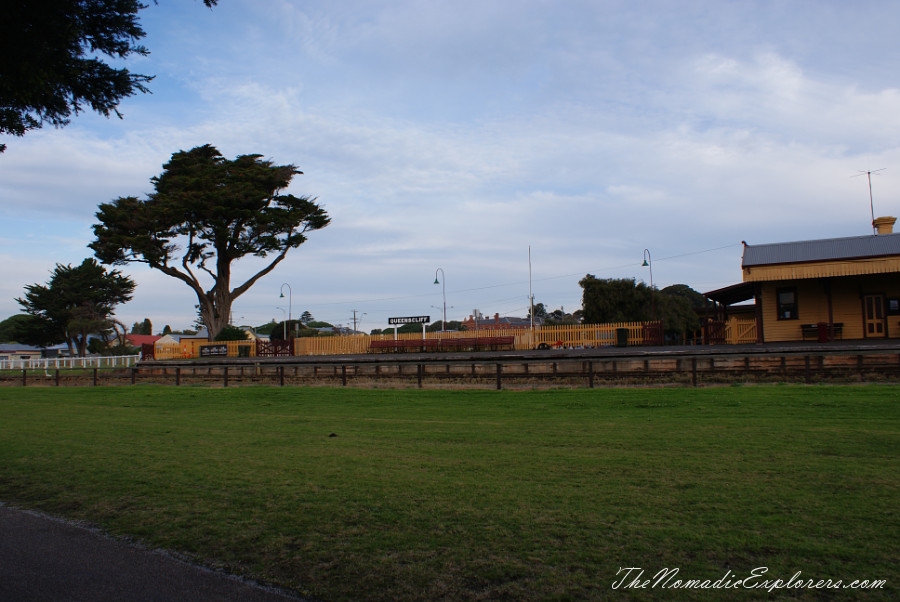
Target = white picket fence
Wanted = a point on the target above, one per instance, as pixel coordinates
(113, 361)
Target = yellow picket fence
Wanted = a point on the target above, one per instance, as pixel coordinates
(567, 336)
(190, 349)
(593, 335)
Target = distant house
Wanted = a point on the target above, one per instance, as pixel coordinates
(16, 351)
(172, 338)
(252, 335)
(138, 340)
(822, 289)
(478, 322)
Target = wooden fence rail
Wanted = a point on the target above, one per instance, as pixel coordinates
(495, 371)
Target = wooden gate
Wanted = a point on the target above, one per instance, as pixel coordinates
(714, 332)
(276, 348)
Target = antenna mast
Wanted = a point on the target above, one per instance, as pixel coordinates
(871, 204)
(530, 294)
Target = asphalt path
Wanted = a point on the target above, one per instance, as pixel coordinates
(44, 559)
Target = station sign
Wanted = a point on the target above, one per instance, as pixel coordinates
(220, 350)
(410, 320)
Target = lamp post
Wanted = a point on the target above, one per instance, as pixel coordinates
(443, 283)
(648, 262)
(290, 306)
(283, 321)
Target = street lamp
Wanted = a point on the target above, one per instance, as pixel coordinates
(443, 283)
(283, 321)
(648, 262)
(290, 306)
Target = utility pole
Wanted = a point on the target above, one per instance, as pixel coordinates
(356, 320)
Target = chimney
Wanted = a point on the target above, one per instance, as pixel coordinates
(884, 225)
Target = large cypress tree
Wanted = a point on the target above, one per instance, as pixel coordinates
(206, 213)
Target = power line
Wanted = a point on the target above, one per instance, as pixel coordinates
(517, 283)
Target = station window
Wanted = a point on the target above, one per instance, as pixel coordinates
(787, 303)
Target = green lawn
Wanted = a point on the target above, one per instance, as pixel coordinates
(348, 494)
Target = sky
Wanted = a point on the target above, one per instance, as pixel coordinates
(504, 148)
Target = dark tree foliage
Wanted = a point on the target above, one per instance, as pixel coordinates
(11, 327)
(624, 300)
(439, 326)
(540, 311)
(145, 327)
(76, 302)
(232, 333)
(266, 328)
(51, 59)
(206, 213)
(696, 299)
(291, 328)
(615, 300)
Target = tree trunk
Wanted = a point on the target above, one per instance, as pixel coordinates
(215, 308)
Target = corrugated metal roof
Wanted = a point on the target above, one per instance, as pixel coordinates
(826, 249)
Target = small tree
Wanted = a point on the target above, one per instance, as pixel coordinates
(145, 327)
(75, 303)
(206, 213)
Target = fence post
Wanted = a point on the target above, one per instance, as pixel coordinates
(591, 374)
(133, 374)
(24, 376)
(95, 377)
(177, 376)
(56, 378)
(499, 376)
(343, 375)
(808, 373)
(694, 371)
(225, 375)
(281, 375)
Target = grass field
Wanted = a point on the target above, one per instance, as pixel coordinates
(479, 495)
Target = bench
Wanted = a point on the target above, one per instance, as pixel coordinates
(456, 344)
(811, 331)
(403, 345)
(478, 343)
